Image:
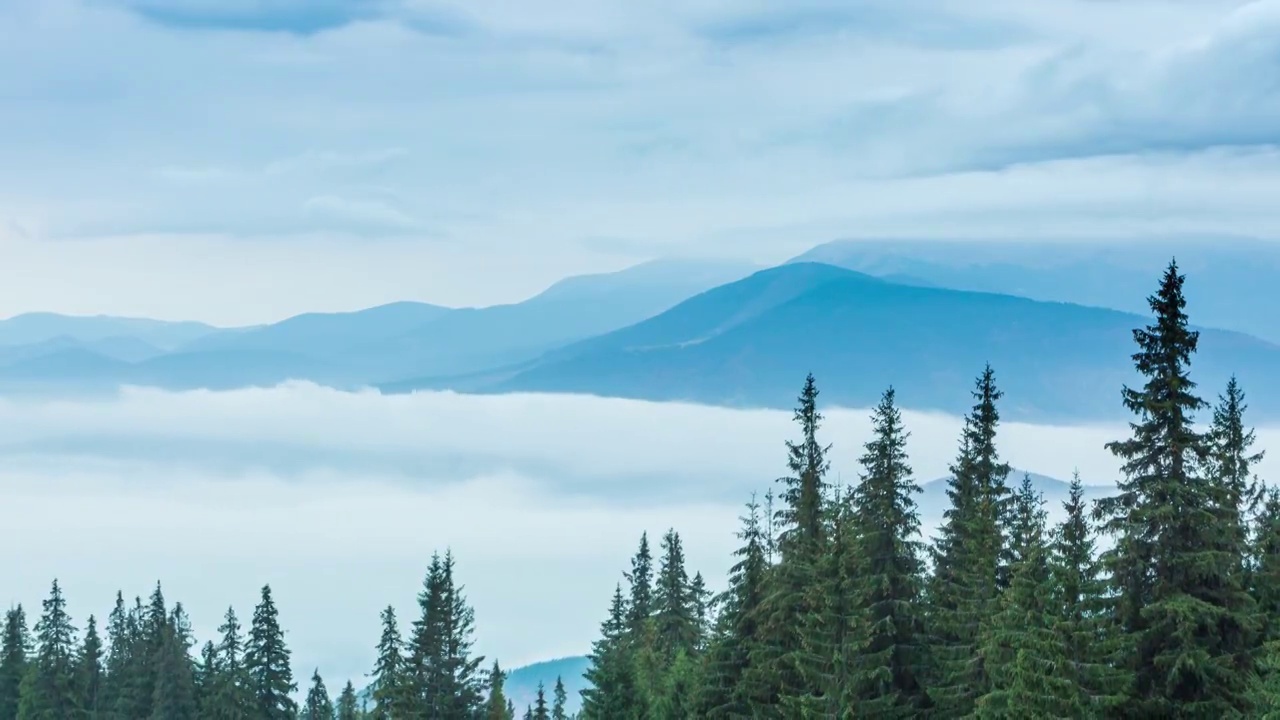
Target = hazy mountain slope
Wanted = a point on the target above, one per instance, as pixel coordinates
(31, 328)
(859, 334)
(1230, 280)
(522, 683)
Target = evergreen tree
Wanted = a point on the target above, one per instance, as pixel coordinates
(496, 707)
(1231, 463)
(118, 659)
(1174, 562)
(967, 556)
(206, 677)
(560, 698)
(611, 692)
(230, 697)
(540, 710)
(640, 607)
(1024, 654)
(347, 708)
(725, 692)
(388, 673)
(675, 619)
(783, 659)
(1265, 561)
(444, 679)
(174, 689)
(317, 706)
(266, 660)
(49, 689)
(888, 655)
(89, 672)
(702, 599)
(14, 652)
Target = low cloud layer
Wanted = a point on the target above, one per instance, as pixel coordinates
(338, 500)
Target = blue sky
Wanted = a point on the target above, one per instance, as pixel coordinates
(243, 160)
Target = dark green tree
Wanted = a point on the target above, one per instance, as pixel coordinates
(783, 660)
(1024, 654)
(675, 618)
(1175, 558)
(49, 688)
(559, 699)
(540, 710)
(1231, 463)
(640, 606)
(230, 696)
(967, 555)
(496, 707)
(266, 661)
(14, 655)
(611, 692)
(444, 679)
(389, 682)
(174, 688)
(347, 709)
(89, 672)
(888, 654)
(318, 706)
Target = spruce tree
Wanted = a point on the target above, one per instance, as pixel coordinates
(496, 707)
(540, 710)
(1264, 576)
(675, 618)
(266, 660)
(206, 677)
(347, 708)
(611, 692)
(560, 698)
(389, 682)
(967, 559)
(783, 659)
(1175, 557)
(116, 664)
(89, 672)
(1023, 652)
(640, 578)
(443, 677)
(174, 696)
(726, 693)
(14, 654)
(1231, 463)
(318, 706)
(1082, 601)
(49, 689)
(888, 654)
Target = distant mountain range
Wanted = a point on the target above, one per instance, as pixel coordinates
(705, 332)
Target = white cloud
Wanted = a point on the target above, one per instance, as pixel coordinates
(339, 499)
(471, 137)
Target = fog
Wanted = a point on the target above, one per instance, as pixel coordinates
(339, 499)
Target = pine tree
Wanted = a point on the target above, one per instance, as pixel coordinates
(1082, 603)
(14, 654)
(1231, 463)
(266, 660)
(725, 694)
(496, 707)
(116, 664)
(1024, 654)
(347, 708)
(230, 696)
(782, 660)
(675, 619)
(560, 699)
(540, 710)
(49, 688)
(888, 655)
(702, 600)
(967, 556)
(89, 672)
(206, 677)
(174, 690)
(611, 692)
(1264, 577)
(317, 705)
(443, 677)
(1175, 558)
(388, 673)
(640, 607)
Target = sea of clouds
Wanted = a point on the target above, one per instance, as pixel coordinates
(339, 499)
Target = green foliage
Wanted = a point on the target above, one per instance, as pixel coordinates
(442, 679)
(266, 660)
(318, 706)
(347, 709)
(14, 652)
(49, 688)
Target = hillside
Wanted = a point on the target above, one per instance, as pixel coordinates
(745, 343)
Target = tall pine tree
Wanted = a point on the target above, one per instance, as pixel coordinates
(14, 652)
(266, 660)
(49, 688)
(318, 706)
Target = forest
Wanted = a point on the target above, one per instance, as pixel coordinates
(1161, 600)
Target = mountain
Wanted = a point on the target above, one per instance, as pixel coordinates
(35, 328)
(1230, 285)
(750, 343)
(522, 683)
(398, 340)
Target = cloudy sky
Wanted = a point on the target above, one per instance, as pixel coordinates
(339, 499)
(242, 160)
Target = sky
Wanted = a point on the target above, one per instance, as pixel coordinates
(240, 161)
(339, 499)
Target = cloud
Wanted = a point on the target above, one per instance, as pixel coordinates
(525, 130)
(338, 500)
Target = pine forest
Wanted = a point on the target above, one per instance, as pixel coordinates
(1161, 600)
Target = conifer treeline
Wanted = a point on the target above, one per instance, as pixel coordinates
(836, 609)
(1161, 601)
